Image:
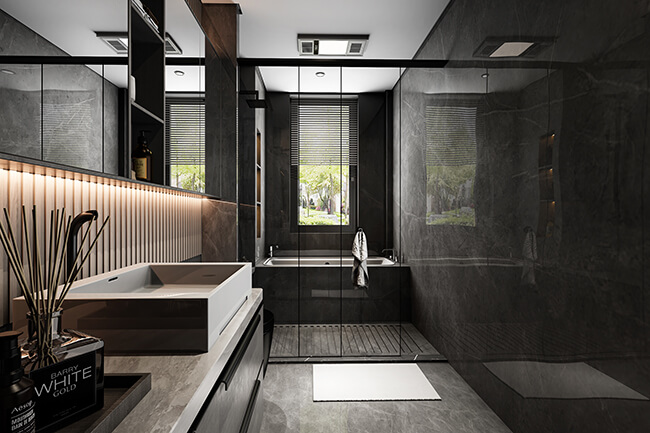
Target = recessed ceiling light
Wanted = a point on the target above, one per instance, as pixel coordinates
(504, 47)
(332, 48)
(485, 75)
(320, 74)
(7, 71)
(179, 72)
(511, 49)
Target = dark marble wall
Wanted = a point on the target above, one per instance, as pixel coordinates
(219, 231)
(251, 123)
(583, 319)
(67, 114)
(372, 175)
(226, 226)
(219, 23)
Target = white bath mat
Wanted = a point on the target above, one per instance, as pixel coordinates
(367, 382)
(568, 380)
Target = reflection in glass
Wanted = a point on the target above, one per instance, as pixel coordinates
(185, 131)
(450, 162)
(20, 111)
(72, 116)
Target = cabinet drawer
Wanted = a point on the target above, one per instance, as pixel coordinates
(225, 408)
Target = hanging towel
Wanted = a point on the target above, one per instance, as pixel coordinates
(360, 266)
(529, 254)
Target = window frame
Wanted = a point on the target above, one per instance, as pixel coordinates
(352, 171)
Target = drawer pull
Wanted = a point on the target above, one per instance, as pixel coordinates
(235, 360)
(250, 408)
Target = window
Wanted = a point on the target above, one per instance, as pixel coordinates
(451, 163)
(185, 138)
(324, 137)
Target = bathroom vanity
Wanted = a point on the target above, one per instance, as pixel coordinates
(196, 328)
(219, 390)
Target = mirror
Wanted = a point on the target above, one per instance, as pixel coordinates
(185, 98)
(74, 114)
(61, 113)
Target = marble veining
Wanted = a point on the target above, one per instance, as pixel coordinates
(181, 383)
(586, 202)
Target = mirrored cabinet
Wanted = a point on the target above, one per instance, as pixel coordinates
(85, 88)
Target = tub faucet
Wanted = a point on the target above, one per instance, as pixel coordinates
(392, 255)
(271, 248)
(75, 226)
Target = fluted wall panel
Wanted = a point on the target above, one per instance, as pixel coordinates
(147, 223)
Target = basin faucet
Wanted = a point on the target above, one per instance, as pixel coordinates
(75, 226)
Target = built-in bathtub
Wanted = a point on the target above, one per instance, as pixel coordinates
(324, 261)
(318, 289)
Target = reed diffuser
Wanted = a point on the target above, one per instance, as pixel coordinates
(67, 366)
(40, 277)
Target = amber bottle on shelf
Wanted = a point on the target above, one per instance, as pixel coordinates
(141, 158)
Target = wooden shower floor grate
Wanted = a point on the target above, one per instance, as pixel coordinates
(349, 340)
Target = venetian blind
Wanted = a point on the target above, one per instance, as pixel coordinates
(185, 132)
(450, 135)
(324, 131)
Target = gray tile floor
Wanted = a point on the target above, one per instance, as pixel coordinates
(288, 407)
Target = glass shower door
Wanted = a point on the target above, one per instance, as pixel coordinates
(320, 164)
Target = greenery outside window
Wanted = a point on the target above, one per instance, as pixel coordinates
(185, 138)
(324, 142)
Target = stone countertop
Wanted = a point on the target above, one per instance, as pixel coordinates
(180, 384)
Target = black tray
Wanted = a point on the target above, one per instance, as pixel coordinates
(122, 392)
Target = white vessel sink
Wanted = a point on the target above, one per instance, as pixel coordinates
(156, 308)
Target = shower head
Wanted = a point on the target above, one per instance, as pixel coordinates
(257, 102)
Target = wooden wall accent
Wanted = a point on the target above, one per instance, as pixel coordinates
(147, 223)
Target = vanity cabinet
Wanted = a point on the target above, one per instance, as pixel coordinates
(235, 403)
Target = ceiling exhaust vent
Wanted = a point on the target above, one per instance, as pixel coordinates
(119, 42)
(332, 45)
(511, 47)
(306, 47)
(171, 47)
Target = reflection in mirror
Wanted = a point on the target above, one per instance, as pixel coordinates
(185, 99)
(75, 105)
(20, 110)
(75, 114)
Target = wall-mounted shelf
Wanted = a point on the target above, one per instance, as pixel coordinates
(140, 114)
(146, 112)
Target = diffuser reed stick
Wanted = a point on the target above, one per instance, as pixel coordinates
(40, 286)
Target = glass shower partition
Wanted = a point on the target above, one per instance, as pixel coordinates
(334, 165)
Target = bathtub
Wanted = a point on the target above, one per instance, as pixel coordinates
(318, 289)
(323, 261)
